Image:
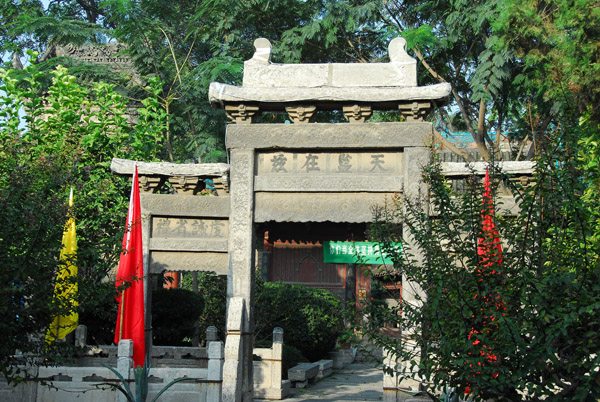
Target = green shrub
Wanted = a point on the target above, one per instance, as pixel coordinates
(175, 313)
(98, 312)
(291, 357)
(311, 318)
(213, 290)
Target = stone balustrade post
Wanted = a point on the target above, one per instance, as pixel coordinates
(215, 369)
(124, 363)
(277, 356)
(211, 334)
(81, 336)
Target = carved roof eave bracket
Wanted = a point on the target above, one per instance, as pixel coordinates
(185, 178)
(243, 105)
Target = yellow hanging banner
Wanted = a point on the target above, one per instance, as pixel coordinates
(65, 288)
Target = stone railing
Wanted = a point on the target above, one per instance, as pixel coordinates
(80, 381)
(268, 381)
(83, 382)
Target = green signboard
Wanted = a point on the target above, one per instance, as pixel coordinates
(355, 252)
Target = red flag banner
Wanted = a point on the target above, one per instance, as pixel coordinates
(130, 285)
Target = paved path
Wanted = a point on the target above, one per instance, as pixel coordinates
(355, 382)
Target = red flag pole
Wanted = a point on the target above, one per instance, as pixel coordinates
(121, 316)
(130, 320)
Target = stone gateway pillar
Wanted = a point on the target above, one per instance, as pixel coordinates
(313, 172)
(237, 371)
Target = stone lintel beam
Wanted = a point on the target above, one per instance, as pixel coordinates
(319, 207)
(329, 183)
(208, 170)
(462, 169)
(182, 244)
(188, 261)
(174, 205)
(503, 205)
(327, 136)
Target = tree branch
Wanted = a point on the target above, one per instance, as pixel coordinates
(452, 147)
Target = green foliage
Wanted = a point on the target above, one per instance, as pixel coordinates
(517, 68)
(291, 357)
(213, 290)
(171, 44)
(98, 312)
(557, 42)
(33, 199)
(589, 157)
(310, 318)
(33, 194)
(66, 138)
(11, 40)
(548, 282)
(337, 31)
(175, 313)
(422, 36)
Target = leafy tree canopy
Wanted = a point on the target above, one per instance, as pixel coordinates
(517, 68)
(67, 138)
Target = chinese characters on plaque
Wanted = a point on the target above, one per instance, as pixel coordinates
(360, 252)
(189, 228)
(365, 163)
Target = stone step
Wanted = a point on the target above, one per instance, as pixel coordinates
(325, 368)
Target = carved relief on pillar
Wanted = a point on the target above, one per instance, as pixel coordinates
(300, 113)
(415, 111)
(241, 113)
(186, 185)
(151, 184)
(357, 113)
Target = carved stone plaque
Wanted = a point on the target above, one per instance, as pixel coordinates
(330, 163)
(110, 53)
(189, 228)
(188, 244)
(344, 171)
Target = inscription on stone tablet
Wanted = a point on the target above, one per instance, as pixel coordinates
(189, 228)
(329, 163)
